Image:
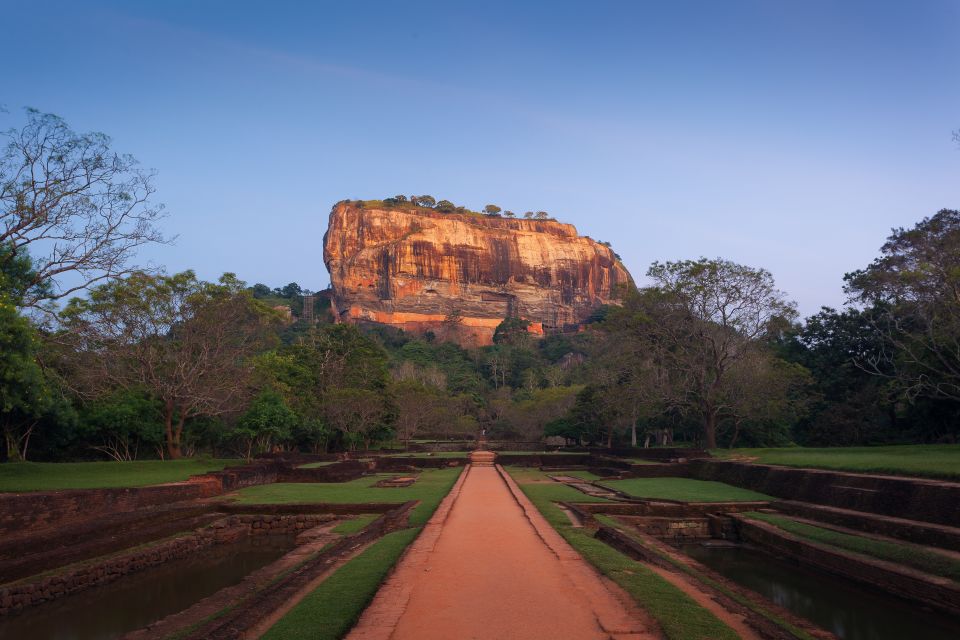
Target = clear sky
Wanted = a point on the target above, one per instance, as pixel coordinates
(787, 135)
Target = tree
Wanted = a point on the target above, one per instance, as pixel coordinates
(82, 209)
(356, 413)
(445, 206)
(509, 214)
(121, 423)
(699, 320)
(418, 408)
(260, 290)
(513, 331)
(267, 423)
(528, 215)
(291, 290)
(305, 373)
(190, 344)
(541, 215)
(914, 287)
(423, 201)
(492, 210)
(24, 392)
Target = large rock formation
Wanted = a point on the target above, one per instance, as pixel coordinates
(462, 274)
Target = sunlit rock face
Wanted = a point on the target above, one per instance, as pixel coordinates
(460, 275)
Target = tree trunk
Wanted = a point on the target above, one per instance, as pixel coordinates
(736, 433)
(710, 429)
(172, 436)
(633, 433)
(13, 451)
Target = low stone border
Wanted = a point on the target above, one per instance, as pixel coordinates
(934, 591)
(256, 608)
(72, 579)
(918, 499)
(762, 625)
(926, 533)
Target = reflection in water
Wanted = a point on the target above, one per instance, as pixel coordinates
(841, 606)
(136, 600)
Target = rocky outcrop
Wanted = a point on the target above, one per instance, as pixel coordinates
(461, 274)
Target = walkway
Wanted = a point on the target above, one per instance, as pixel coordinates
(489, 566)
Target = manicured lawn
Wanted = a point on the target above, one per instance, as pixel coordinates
(332, 608)
(900, 552)
(355, 524)
(684, 490)
(930, 460)
(48, 476)
(430, 488)
(317, 465)
(678, 615)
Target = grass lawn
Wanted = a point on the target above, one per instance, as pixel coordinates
(331, 609)
(930, 460)
(430, 488)
(680, 617)
(684, 490)
(900, 552)
(48, 476)
(355, 524)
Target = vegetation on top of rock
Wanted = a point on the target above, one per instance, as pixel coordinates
(444, 206)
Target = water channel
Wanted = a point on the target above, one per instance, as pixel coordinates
(850, 611)
(138, 599)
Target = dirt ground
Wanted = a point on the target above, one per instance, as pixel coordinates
(488, 571)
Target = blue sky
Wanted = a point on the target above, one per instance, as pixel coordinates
(787, 135)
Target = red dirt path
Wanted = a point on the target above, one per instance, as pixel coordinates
(488, 566)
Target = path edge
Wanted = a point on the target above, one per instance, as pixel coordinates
(380, 617)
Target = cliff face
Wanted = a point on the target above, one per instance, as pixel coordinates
(462, 274)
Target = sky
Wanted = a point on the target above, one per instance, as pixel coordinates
(785, 135)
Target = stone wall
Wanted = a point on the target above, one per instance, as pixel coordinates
(34, 511)
(932, 591)
(38, 589)
(912, 498)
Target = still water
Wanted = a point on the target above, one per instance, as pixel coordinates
(136, 600)
(850, 611)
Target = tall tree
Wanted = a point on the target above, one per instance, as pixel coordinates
(703, 318)
(915, 288)
(79, 207)
(190, 344)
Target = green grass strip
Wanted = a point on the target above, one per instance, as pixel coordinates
(334, 607)
(734, 595)
(927, 460)
(355, 524)
(678, 615)
(430, 488)
(902, 553)
(51, 476)
(685, 490)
